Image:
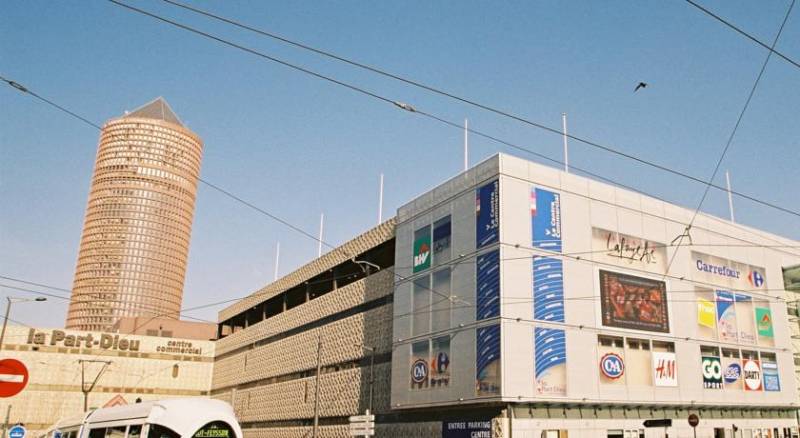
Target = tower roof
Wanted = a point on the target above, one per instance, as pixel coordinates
(156, 109)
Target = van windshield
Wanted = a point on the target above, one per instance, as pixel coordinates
(215, 429)
(159, 431)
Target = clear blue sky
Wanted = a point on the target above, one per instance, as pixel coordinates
(297, 146)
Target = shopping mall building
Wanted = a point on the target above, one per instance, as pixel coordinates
(126, 368)
(516, 300)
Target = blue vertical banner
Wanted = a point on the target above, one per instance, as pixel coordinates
(487, 366)
(548, 289)
(551, 360)
(488, 285)
(550, 355)
(487, 214)
(546, 219)
(549, 345)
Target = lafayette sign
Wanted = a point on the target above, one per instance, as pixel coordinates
(104, 341)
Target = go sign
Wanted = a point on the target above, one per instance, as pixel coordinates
(712, 373)
(612, 366)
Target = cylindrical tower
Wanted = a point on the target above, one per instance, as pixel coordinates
(135, 241)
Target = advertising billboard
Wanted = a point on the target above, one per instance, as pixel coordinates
(440, 362)
(751, 373)
(727, 273)
(631, 302)
(487, 366)
(726, 317)
(488, 285)
(546, 219)
(550, 358)
(764, 322)
(732, 374)
(548, 289)
(422, 249)
(624, 250)
(665, 369)
(420, 371)
(487, 214)
(712, 372)
(771, 380)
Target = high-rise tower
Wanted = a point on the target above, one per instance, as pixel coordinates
(135, 241)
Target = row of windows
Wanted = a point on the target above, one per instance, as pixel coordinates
(120, 160)
(136, 181)
(132, 196)
(433, 252)
(152, 139)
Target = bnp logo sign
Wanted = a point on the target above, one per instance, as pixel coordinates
(422, 253)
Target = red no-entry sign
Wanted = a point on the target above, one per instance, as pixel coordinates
(13, 377)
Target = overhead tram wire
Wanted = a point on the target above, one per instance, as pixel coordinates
(432, 89)
(69, 299)
(25, 90)
(738, 30)
(731, 136)
(225, 192)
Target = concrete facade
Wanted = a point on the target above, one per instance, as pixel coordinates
(146, 367)
(165, 327)
(554, 272)
(267, 355)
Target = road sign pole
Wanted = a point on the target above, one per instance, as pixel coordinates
(5, 424)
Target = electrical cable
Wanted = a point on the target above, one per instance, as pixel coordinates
(732, 135)
(427, 88)
(742, 32)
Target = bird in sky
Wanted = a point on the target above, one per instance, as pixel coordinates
(641, 85)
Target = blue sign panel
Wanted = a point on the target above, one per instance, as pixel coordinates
(548, 289)
(546, 219)
(487, 214)
(771, 379)
(17, 432)
(467, 429)
(487, 366)
(488, 285)
(551, 349)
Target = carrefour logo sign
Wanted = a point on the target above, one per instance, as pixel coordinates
(717, 269)
(612, 366)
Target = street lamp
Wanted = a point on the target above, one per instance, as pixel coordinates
(12, 300)
(371, 371)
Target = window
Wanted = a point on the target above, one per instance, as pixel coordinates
(440, 362)
(215, 429)
(420, 353)
(441, 300)
(664, 346)
(97, 433)
(421, 305)
(638, 362)
(115, 432)
(135, 431)
(441, 240)
(158, 431)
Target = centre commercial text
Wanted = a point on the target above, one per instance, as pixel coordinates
(106, 341)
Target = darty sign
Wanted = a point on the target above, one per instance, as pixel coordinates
(724, 272)
(104, 341)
